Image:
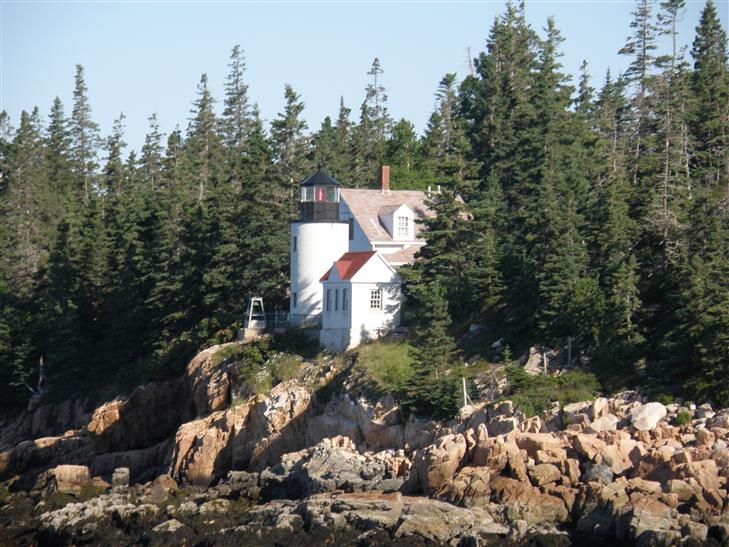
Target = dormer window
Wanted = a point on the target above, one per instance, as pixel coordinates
(398, 221)
(403, 227)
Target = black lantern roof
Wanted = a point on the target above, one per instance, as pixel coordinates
(320, 178)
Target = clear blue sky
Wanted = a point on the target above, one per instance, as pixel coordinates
(144, 57)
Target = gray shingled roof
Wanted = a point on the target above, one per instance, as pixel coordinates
(367, 205)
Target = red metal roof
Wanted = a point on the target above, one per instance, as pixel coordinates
(349, 264)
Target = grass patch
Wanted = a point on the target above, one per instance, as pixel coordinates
(258, 366)
(683, 418)
(387, 364)
(534, 394)
(58, 500)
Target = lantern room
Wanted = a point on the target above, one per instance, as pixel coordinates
(319, 198)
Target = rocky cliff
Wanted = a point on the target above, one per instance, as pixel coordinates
(314, 461)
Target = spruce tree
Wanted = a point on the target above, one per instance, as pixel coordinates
(203, 149)
(289, 144)
(709, 122)
(84, 139)
(150, 161)
(433, 388)
(373, 128)
(113, 171)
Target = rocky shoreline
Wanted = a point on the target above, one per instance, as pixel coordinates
(315, 462)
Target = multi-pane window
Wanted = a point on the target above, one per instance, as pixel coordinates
(329, 299)
(345, 299)
(375, 299)
(403, 226)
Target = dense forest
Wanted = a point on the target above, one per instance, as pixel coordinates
(601, 214)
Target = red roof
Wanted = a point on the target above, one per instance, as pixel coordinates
(349, 264)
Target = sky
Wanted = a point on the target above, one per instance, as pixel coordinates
(144, 57)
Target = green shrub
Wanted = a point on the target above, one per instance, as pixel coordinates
(534, 394)
(663, 398)
(284, 366)
(296, 341)
(387, 364)
(683, 418)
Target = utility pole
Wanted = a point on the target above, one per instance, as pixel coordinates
(569, 352)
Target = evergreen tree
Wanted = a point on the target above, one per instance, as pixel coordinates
(203, 148)
(26, 228)
(433, 388)
(150, 162)
(289, 145)
(710, 114)
(113, 171)
(341, 164)
(84, 138)
(373, 129)
(58, 156)
(402, 153)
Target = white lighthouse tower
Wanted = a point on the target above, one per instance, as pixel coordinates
(317, 241)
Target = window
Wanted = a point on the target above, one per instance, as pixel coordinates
(307, 193)
(345, 299)
(375, 299)
(403, 225)
(329, 299)
(295, 238)
(336, 299)
(351, 229)
(293, 297)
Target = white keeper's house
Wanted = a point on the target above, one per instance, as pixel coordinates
(345, 250)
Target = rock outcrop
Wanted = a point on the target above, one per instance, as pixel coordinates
(253, 435)
(209, 383)
(151, 414)
(292, 465)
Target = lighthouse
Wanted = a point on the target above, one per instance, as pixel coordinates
(318, 239)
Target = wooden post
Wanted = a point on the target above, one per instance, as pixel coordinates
(465, 394)
(544, 359)
(569, 352)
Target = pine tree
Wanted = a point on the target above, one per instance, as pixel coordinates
(289, 144)
(24, 204)
(113, 171)
(639, 46)
(341, 165)
(150, 162)
(203, 150)
(710, 116)
(402, 153)
(58, 155)
(323, 144)
(431, 389)
(373, 128)
(84, 138)
(236, 120)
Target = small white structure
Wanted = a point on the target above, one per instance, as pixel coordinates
(362, 300)
(255, 321)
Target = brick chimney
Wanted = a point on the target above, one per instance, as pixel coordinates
(385, 179)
